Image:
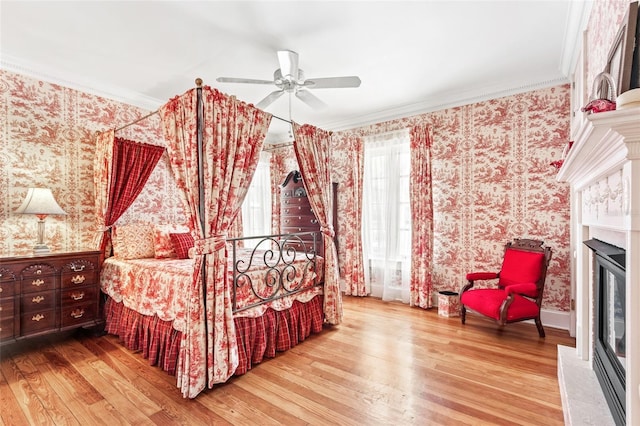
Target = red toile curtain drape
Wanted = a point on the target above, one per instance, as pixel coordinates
(232, 137)
(312, 151)
(421, 217)
(123, 168)
(353, 261)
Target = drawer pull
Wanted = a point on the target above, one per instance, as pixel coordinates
(37, 317)
(314, 221)
(39, 271)
(37, 282)
(78, 279)
(77, 313)
(77, 296)
(77, 268)
(37, 299)
(0, 289)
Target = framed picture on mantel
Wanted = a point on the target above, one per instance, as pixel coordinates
(623, 56)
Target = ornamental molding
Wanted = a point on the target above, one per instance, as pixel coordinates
(604, 143)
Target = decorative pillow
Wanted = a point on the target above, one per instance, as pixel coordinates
(162, 245)
(133, 241)
(181, 244)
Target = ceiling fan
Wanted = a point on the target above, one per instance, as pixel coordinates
(291, 79)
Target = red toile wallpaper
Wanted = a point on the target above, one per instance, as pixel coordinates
(492, 182)
(47, 139)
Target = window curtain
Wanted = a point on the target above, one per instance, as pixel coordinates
(421, 217)
(232, 137)
(386, 219)
(124, 167)
(353, 262)
(256, 208)
(312, 151)
(101, 179)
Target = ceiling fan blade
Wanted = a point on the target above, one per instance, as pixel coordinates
(310, 99)
(332, 82)
(288, 60)
(242, 80)
(269, 99)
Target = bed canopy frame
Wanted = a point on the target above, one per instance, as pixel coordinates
(214, 141)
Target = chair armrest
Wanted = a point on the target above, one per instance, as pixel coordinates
(526, 289)
(473, 276)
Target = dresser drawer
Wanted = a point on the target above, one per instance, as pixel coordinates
(7, 328)
(294, 202)
(39, 301)
(38, 283)
(304, 221)
(7, 308)
(7, 288)
(35, 322)
(78, 295)
(77, 279)
(302, 228)
(297, 210)
(79, 314)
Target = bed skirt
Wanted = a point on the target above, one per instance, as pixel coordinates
(257, 338)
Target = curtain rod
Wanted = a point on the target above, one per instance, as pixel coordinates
(198, 85)
(137, 120)
(156, 111)
(282, 119)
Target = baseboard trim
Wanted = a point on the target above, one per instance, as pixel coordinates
(556, 319)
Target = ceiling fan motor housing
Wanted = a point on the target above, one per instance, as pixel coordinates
(288, 83)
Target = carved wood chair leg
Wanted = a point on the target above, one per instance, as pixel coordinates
(463, 314)
(540, 328)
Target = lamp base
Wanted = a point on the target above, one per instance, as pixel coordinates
(41, 249)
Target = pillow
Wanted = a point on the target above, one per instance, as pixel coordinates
(181, 244)
(133, 241)
(162, 244)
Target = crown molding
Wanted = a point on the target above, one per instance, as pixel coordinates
(437, 103)
(13, 64)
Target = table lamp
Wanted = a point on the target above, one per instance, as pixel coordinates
(40, 202)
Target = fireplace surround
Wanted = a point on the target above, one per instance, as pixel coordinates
(603, 169)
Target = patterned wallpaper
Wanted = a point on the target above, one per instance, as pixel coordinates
(492, 182)
(47, 139)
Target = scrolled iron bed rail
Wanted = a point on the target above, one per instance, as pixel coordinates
(276, 255)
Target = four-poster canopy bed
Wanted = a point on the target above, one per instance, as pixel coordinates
(221, 307)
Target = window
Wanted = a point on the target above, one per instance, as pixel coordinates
(387, 215)
(256, 208)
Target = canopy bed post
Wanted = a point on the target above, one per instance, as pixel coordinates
(201, 206)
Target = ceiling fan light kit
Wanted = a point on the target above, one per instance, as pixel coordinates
(290, 78)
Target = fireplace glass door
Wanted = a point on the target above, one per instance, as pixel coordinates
(609, 351)
(613, 315)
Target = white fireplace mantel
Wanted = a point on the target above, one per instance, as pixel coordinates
(603, 169)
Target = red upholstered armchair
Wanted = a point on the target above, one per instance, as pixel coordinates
(518, 294)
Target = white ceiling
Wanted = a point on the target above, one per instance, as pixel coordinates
(412, 57)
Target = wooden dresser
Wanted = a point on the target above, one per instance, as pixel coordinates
(296, 214)
(48, 293)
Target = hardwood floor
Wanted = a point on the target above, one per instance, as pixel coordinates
(386, 364)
